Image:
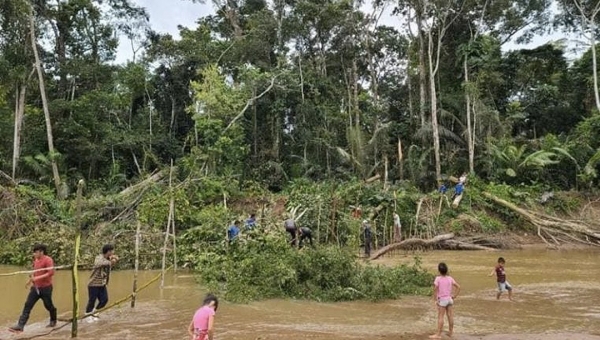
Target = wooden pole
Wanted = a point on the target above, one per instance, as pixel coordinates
(75, 272)
(174, 235)
(137, 263)
(167, 230)
(319, 219)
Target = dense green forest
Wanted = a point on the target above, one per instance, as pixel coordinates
(270, 92)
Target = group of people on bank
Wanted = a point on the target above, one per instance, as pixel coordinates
(299, 236)
(40, 285)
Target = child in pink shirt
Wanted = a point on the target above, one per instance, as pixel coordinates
(444, 299)
(202, 325)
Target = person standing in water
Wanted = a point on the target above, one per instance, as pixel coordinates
(40, 287)
(97, 290)
(503, 284)
(444, 300)
(202, 325)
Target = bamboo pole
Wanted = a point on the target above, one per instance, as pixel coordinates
(75, 272)
(136, 264)
(319, 219)
(167, 229)
(174, 235)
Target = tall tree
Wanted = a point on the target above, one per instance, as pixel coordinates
(585, 14)
(50, 136)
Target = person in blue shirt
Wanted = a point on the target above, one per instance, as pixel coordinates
(251, 222)
(458, 190)
(443, 188)
(233, 231)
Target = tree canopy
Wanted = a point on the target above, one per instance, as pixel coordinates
(273, 91)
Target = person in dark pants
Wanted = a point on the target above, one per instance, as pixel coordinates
(98, 280)
(290, 227)
(305, 234)
(41, 288)
(367, 235)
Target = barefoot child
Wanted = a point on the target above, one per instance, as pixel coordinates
(503, 285)
(202, 325)
(444, 299)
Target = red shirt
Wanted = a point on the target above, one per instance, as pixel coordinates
(500, 275)
(41, 263)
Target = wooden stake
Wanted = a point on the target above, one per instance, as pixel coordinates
(137, 263)
(167, 229)
(174, 235)
(75, 272)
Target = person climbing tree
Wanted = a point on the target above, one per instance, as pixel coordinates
(40, 287)
(305, 234)
(367, 235)
(97, 290)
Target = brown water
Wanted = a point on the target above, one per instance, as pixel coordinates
(557, 297)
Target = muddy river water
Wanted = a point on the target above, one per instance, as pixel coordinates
(557, 296)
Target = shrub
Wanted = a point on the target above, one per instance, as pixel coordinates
(263, 265)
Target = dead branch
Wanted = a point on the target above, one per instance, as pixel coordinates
(583, 232)
(141, 185)
(412, 243)
(250, 102)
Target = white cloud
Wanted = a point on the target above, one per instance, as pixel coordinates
(165, 16)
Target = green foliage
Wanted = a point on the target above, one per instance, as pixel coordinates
(263, 265)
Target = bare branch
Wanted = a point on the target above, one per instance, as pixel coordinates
(250, 102)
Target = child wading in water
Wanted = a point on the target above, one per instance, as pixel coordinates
(202, 325)
(444, 299)
(503, 285)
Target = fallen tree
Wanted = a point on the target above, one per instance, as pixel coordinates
(444, 241)
(557, 229)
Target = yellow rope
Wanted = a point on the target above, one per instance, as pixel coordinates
(36, 270)
(116, 303)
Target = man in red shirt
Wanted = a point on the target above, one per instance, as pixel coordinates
(41, 288)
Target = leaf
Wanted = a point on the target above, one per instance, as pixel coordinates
(510, 172)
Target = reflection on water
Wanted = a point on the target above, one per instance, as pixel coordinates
(556, 292)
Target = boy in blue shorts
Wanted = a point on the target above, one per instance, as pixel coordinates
(503, 285)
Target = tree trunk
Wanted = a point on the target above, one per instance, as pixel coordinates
(594, 64)
(470, 130)
(38, 66)
(434, 120)
(19, 113)
(422, 76)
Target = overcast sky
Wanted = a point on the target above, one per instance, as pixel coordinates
(166, 15)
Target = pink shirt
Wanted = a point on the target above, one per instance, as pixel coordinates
(444, 286)
(201, 319)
